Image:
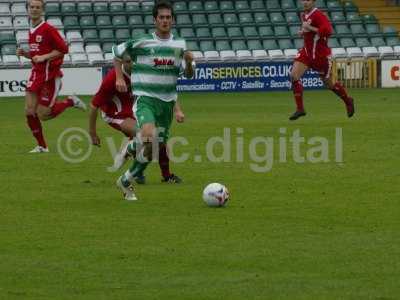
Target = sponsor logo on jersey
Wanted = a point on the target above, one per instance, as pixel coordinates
(39, 39)
(163, 62)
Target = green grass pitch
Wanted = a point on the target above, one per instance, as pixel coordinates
(300, 231)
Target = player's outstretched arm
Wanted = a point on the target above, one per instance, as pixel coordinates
(179, 115)
(49, 56)
(120, 84)
(92, 125)
(190, 64)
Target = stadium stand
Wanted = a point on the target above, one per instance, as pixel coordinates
(215, 30)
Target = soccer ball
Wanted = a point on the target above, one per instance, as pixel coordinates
(215, 194)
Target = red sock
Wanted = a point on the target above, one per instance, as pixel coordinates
(59, 107)
(339, 90)
(36, 128)
(163, 161)
(298, 94)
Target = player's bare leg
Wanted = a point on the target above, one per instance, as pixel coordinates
(340, 91)
(34, 122)
(298, 71)
(47, 113)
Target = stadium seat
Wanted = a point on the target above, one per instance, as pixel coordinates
(211, 55)
(369, 19)
(396, 50)
(265, 31)
(71, 22)
(180, 6)
(290, 53)
(100, 8)
(292, 18)
(87, 22)
(122, 34)
(222, 45)
(119, 21)
(377, 41)
(116, 7)
(95, 58)
(203, 32)
(199, 19)
(21, 36)
(270, 44)
(349, 6)
(218, 32)
(19, 9)
(277, 18)
(56, 22)
(353, 18)
(373, 30)
(257, 4)
(74, 36)
(281, 32)
(298, 43)
(362, 42)
(106, 34)
(392, 41)
(102, 21)
(250, 31)
(333, 5)
(276, 54)
(7, 36)
(132, 7)
(370, 52)
(230, 19)
(93, 48)
(90, 35)
(226, 6)
(272, 5)
(135, 20)
(76, 48)
(354, 52)
(107, 47)
(333, 43)
(260, 54)
(244, 55)
(239, 45)
(192, 45)
(339, 53)
(234, 32)
(227, 55)
(52, 8)
(285, 44)
(288, 5)
(147, 7)
(198, 55)
(21, 22)
(10, 60)
(68, 8)
(187, 33)
(79, 59)
(246, 18)
(294, 31)
(207, 46)
(84, 8)
(254, 45)
(357, 29)
(108, 57)
(261, 18)
(385, 51)
(214, 19)
(211, 6)
(137, 32)
(195, 6)
(182, 19)
(8, 49)
(241, 5)
(149, 20)
(5, 23)
(347, 42)
(5, 9)
(338, 17)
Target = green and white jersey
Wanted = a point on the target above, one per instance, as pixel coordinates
(157, 64)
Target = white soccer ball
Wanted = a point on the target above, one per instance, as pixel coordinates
(215, 194)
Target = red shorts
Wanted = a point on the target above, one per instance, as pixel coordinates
(321, 64)
(46, 91)
(114, 122)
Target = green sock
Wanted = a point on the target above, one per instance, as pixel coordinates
(132, 147)
(136, 169)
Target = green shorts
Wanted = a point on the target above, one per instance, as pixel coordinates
(156, 111)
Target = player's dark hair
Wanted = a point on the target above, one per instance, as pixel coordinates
(162, 5)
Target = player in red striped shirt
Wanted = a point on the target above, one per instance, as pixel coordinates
(316, 54)
(116, 111)
(46, 52)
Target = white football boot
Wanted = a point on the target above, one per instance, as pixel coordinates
(78, 103)
(39, 149)
(127, 191)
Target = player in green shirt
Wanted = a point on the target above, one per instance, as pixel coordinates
(158, 59)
